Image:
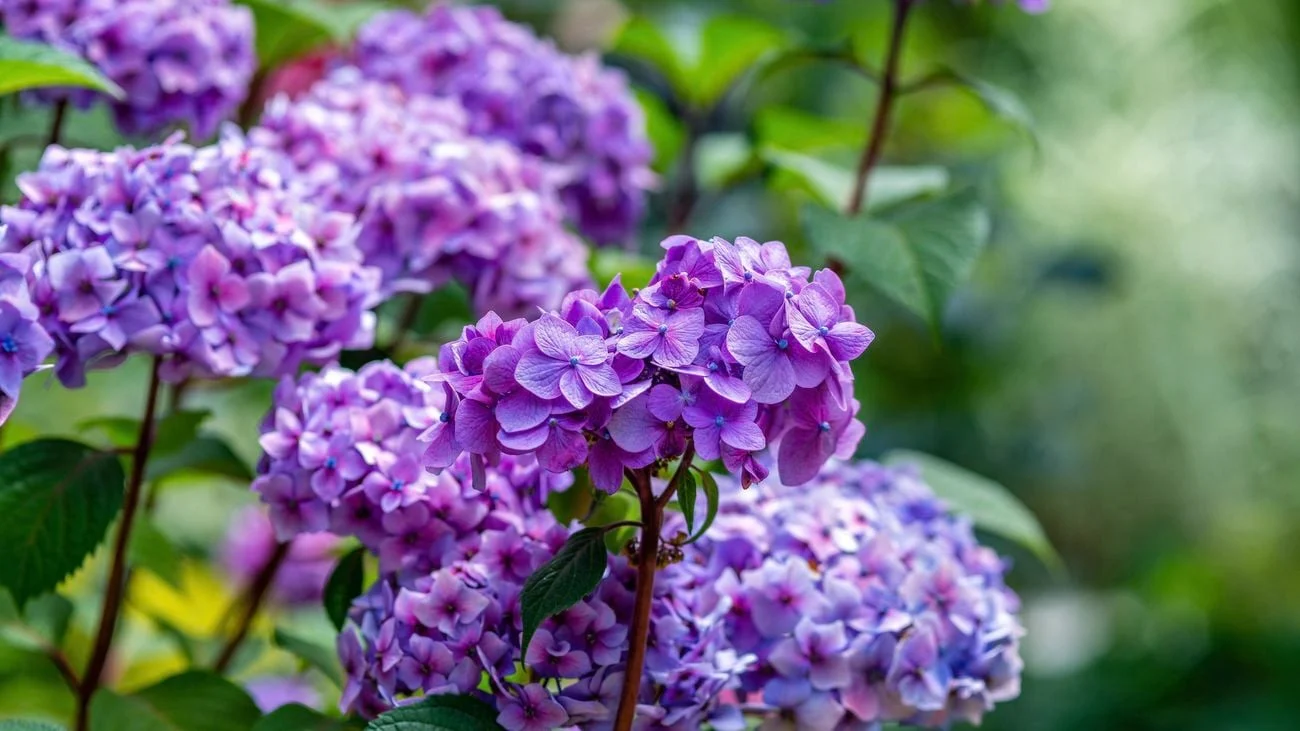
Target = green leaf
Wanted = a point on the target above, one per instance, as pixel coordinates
(710, 487)
(192, 701)
(206, 454)
(607, 262)
(790, 128)
(570, 575)
(729, 46)
(686, 494)
(1000, 101)
(177, 429)
(640, 38)
(287, 29)
(120, 431)
(154, 552)
(49, 615)
(321, 657)
(344, 585)
(27, 65)
(611, 509)
(297, 717)
(916, 254)
(57, 499)
(833, 184)
(991, 506)
(721, 158)
(439, 713)
(664, 129)
(18, 724)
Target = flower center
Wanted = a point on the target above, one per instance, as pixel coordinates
(8, 345)
(108, 310)
(713, 366)
(444, 417)
(672, 304)
(824, 426)
(552, 421)
(782, 344)
(573, 361)
(823, 330)
(789, 294)
(718, 420)
(331, 463)
(663, 329)
(749, 276)
(398, 485)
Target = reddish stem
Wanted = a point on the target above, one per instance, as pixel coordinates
(639, 632)
(115, 591)
(889, 88)
(257, 591)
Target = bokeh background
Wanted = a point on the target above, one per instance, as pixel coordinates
(1126, 359)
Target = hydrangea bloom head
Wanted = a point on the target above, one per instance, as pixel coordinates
(863, 600)
(204, 257)
(178, 61)
(248, 546)
(24, 344)
(730, 348)
(577, 116)
(434, 203)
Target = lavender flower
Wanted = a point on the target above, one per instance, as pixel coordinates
(572, 113)
(178, 61)
(24, 344)
(434, 203)
(704, 354)
(205, 257)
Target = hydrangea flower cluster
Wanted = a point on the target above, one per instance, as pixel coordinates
(863, 600)
(434, 204)
(571, 112)
(178, 61)
(341, 455)
(24, 344)
(300, 581)
(730, 350)
(203, 256)
(455, 559)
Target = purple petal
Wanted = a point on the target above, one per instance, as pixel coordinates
(541, 374)
(522, 410)
(554, 337)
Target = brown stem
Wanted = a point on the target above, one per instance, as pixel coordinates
(56, 124)
(252, 601)
(64, 667)
(114, 592)
(889, 89)
(639, 631)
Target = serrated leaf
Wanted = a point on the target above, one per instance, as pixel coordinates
(57, 499)
(832, 184)
(344, 585)
(558, 584)
(989, 505)
(29, 65)
(297, 717)
(686, 494)
(917, 253)
(154, 552)
(18, 724)
(192, 701)
(439, 713)
(729, 46)
(321, 657)
(710, 487)
(206, 454)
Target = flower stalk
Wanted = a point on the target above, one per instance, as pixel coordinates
(253, 598)
(889, 92)
(116, 589)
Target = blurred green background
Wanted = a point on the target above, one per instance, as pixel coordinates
(1126, 359)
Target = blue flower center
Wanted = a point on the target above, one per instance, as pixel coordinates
(731, 321)
(331, 463)
(552, 421)
(789, 294)
(782, 344)
(663, 329)
(823, 330)
(749, 276)
(713, 366)
(398, 485)
(672, 304)
(718, 420)
(444, 417)
(824, 426)
(8, 345)
(573, 361)
(108, 310)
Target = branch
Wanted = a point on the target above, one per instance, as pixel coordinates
(889, 90)
(257, 591)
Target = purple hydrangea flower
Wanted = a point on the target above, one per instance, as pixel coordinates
(571, 113)
(184, 62)
(434, 203)
(24, 344)
(229, 273)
